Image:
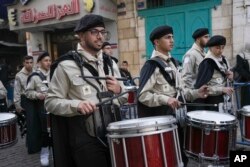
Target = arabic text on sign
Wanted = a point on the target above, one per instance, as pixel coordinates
(53, 12)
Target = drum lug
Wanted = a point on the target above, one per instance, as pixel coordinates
(207, 131)
(201, 158)
(216, 157)
(116, 141)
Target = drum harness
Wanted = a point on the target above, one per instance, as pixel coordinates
(227, 106)
(77, 58)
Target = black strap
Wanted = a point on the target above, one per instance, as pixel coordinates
(107, 63)
(73, 55)
(215, 66)
(40, 75)
(162, 66)
(92, 70)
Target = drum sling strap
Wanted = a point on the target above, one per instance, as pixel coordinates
(40, 75)
(101, 120)
(146, 72)
(108, 64)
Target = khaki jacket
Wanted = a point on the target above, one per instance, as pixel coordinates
(3, 91)
(37, 86)
(157, 90)
(20, 86)
(218, 81)
(191, 62)
(68, 89)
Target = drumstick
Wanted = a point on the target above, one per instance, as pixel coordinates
(112, 98)
(200, 104)
(103, 78)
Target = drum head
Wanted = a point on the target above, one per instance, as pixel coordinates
(6, 117)
(246, 110)
(210, 117)
(141, 123)
(130, 87)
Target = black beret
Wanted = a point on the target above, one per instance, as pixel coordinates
(160, 32)
(42, 55)
(105, 44)
(216, 40)
(89, 21)
(200, 32)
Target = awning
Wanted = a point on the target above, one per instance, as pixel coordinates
(11, 44)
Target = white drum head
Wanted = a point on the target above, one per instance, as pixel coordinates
(246, 108)
(141, 123)
(130, 87)
(203, 115)
(6, 116)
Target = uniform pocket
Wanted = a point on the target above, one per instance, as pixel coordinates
(77, 81)
(162, 85)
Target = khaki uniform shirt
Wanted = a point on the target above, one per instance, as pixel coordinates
(157, 90)
(20, 86)
(191, 62)
(68, 89)
(218, 81)
(37, 86)
(3, 91)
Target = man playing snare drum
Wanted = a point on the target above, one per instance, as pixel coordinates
(157, 92)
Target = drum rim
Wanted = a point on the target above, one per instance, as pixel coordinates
(245, 110)
(210, 122)
(115, 126)
(8, 120)
(147, 133)
(132, 87)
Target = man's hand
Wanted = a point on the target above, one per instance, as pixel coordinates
(203, 91)
(86, 107)
(173, 103)
(113, 85)
(230, 75)
(228, 90)
(41, 96)
(19, 110)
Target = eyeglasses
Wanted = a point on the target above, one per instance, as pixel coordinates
(97, 32)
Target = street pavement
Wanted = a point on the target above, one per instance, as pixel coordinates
(17, 156)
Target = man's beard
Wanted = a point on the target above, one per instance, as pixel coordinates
(202, 44)
(92, 47)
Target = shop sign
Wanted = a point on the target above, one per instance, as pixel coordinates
(54, 11)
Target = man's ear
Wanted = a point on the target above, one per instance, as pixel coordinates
(156, 42)
(81, 35)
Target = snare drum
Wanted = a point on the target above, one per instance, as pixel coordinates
(131, 94)
(210, 135)
(8, 134)
(151, 142)
(245, 113)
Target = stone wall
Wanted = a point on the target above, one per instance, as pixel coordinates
(131, 38)
(228, 19)
(222, 25)
(241, 25)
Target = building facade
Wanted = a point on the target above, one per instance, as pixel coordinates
(49, 24)
(137, 18)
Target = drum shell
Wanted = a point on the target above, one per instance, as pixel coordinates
(144, 144)
(8, 132)
(210, 140)
(224, 139)
(245, 115)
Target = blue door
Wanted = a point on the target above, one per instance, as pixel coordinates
(184, 19)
